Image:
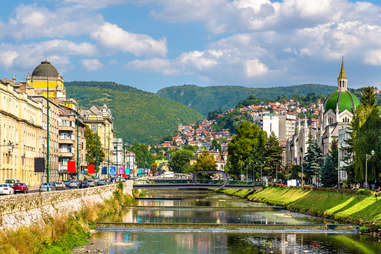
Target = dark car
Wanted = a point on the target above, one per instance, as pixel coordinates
(101, 182)
(20, 187)
(83, 184)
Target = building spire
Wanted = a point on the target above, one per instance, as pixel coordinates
(342, 74)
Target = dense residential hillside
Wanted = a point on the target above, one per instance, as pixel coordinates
(139, 116)
(211, 98)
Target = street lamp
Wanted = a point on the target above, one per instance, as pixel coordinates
(367, 157)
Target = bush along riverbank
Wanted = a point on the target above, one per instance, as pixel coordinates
(360, 208)
(60, 235)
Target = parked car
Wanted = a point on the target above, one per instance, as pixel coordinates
(20, 187)
(83, 184)
(73, 184)
(6, 189)
(59, 185)
(67, 184)
(47, 187)
(101, 182)
(91, 183)
(12, 181)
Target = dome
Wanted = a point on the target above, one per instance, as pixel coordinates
(45, 69)
(345, 100)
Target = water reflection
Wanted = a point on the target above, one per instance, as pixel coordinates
(210, 207)
(207, 242)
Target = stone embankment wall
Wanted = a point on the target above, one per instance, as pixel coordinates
(27, 209)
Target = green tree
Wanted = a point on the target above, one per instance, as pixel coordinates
(273, 154)
(366, 133)
(329, 173)
(180, 161)
(93, 144)
(144, 158)
(313, 161)
(246, 149)
(205, 162)
(215, 146)
(334, 152)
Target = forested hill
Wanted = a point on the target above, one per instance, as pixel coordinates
(139, 116)
(211, 98)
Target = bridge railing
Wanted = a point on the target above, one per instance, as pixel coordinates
(200, 181)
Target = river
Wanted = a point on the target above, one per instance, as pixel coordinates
(177, 221)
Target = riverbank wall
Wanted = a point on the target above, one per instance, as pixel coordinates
(354, 208)
(59, 221)
(24, 210)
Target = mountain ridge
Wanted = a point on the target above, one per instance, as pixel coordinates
(135, 111)
(211, 98)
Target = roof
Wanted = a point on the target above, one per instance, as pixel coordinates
(345, 100)
(45, 69)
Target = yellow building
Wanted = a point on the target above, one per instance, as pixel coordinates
(20, 134)
(45, 76)
(100, 120)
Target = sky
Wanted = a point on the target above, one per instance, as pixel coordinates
(151, 44)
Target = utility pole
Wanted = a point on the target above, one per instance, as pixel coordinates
(77, 120)
(47, 129)
(96, 149)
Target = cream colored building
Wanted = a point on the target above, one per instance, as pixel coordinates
(100, 120)
(20, 134)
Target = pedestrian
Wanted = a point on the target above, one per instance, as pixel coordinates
(375, 195)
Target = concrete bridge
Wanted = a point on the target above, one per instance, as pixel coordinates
(194, 186)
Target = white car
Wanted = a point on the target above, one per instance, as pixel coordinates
(6, 189)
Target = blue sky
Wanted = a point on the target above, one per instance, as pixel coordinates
(151, 44)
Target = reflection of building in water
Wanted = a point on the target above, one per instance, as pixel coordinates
(185, 241)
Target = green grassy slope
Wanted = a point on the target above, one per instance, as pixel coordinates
(207, 99)
(139, 116)
(347, 207)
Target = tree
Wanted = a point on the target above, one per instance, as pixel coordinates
(273, 154)
(246, 149)
(205, 162)
(312, 161)
(143, 155)
(93, 145)
(215, 146)
(366, 136)
(329, 173)
(180, 161)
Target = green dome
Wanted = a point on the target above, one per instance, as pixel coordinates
(45, 69)
(345, 100)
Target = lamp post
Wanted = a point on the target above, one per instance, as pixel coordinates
(367, 157)
(77, 120)
(47, 129)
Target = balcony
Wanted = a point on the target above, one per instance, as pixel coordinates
(64, 140)
(66, 154)
(66, 128)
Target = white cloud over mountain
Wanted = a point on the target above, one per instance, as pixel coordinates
(248, 40)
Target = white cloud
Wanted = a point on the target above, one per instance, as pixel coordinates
(156, 64)
(31, 21)
(7, 58)
(255, 68)
(91, 64)
(113, 37)
(373, 57)
(27, 56)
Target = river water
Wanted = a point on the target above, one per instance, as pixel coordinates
(209, 222)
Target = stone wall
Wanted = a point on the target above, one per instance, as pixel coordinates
(27, 209)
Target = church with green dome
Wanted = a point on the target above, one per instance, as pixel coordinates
(337, 112)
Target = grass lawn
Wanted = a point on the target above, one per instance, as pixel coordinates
(347, 207)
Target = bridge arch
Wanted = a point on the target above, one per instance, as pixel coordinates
(196, 173)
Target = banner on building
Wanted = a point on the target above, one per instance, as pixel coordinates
(91, 169)
(71, 167)
(121, 171)
(39, 164)
(104, 170)
(112, 170)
